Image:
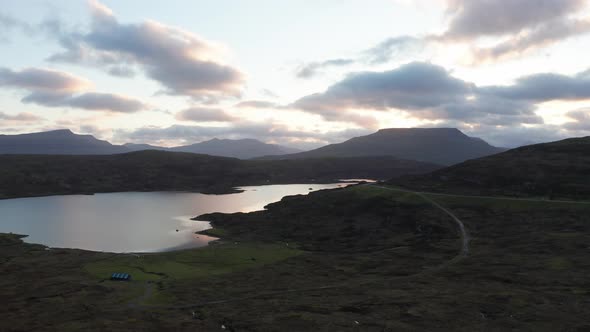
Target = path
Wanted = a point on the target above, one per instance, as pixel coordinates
(463, 232)
(464, 251)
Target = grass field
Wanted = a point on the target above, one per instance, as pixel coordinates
(379, 250)
(465, 200)
(218, 258)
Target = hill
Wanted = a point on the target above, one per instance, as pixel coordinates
(553, 170)
(357, 259)
(131, 147)
(65, 142)
(444, 146)
(56, 142)
(242, 148)
(39, 175)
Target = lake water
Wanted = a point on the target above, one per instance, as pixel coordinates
(132, 222)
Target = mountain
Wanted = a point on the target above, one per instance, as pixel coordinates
(56, 142)
(65, 142)
(242, 148)
(40, 175)
(141, 147)
(444, 146)
(551, 170)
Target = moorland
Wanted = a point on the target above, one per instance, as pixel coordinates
(392, 256)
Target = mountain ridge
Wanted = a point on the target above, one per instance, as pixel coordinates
(66, 142)
(61, 141)
(559, 169)
(150, 170)
(444, 146)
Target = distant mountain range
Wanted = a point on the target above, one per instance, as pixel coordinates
(56, 142)
(241, 148)
(443, 146)
(552, 170)
(65, 142)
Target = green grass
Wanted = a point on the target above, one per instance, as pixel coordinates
(458, 200)
(505, 203)
(215, 232)
(196, 263)
(105, 268)
(159, 297)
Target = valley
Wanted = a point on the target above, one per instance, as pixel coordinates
(410, 272)
(404, 254)
(295, 166)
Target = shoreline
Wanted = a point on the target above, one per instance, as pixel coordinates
(214, 190)
(213, 231)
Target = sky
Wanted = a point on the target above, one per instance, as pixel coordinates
(302, 73)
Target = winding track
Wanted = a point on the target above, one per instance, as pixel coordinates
(495, 197)
(464, 252)
(463, 232)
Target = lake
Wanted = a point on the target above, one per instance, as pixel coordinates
(132, 221)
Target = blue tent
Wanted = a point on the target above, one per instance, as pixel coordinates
(121, 276)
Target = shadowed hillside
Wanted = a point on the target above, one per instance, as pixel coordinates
(552, 170)
(35, 175)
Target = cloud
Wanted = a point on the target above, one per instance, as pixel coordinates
(268, 93)
(581, 120)
(203, 114)
(514, 27)
(121, 71)
(504, 115)
(41, 79)
(401, 48)
(9, 23)
(545, 87)
(267, 132)
(105, 102)
(311, 69)
(475, 18)
(517, 135)
(182, 62)
(19, 119)
(257, 104)
(527, 24)
(396, 47)
(411, 86)
(362, 120)
(427, 92)
(54, 88)
(93, 101)
(483, 110)
(544, 35)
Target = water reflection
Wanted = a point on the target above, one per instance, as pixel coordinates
(131, 222)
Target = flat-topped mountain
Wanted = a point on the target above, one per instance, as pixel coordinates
(56, 142)
(445, 146)
(65, 142)
(552, 170)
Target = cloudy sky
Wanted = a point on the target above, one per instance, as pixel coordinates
(302, 72)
